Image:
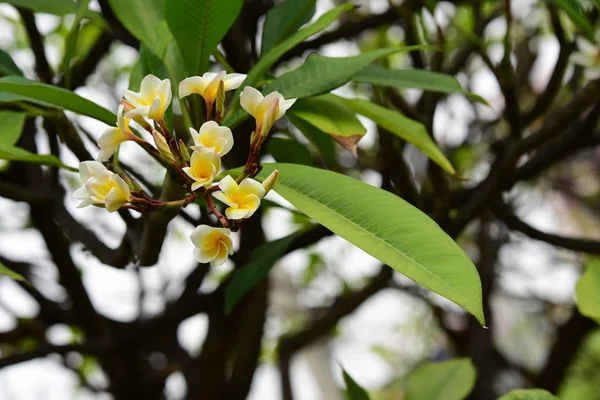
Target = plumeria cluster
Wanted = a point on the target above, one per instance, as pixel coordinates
(195, 166)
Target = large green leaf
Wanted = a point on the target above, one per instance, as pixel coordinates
(270, 58)
(4, 270)
(386, 227)
(54, 7)
(71, 40)
(11, 153)
(7, 65)
(448, 380)
(62, 98)
(329, 114)
(529, 394)
(588, 291)
(7, 97)
(320, 74)
(198, 27)
(353, 389)
(141, 17)
(11, 126)
(257, 269)
(322, 141)
(405, 128)
(284, 20)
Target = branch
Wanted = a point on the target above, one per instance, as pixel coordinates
(37, 45)
(341, 307)
(503, 212)
(43, 351)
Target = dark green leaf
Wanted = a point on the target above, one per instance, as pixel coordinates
(269, 59)
(289, 151)
(385, 226)
(353, 390)
(257, 269)
(576, 13)
(11, 153)
(62, 98)
(331, 115)
(71, 40)
(448, 380)
(588, 291)
(54, 7)
(4, 270)
(320, 74)
(141, 17)
(405, 128)
(8, 66)
(284, 20)
(198, 27)
(529, 394)
(7, 97)
(322, 141)
(11, 126)
(147, 63)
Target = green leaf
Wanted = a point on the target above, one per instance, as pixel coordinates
(141, 17)
(386, 227)
(62, 98)
(529, 394)
(588, 291)
(198, 27)
(4, 270)
(147, 63)
(71, 40)
(11, 126)
(331, 115)
(55, 7)
(7, 65)
(7, 97)
(257, 269)
(322, 141)
(289, 151)
(405, 128)
(11, 153)
(448, 380)
(270, 58)
(284, 20)
(576, 13)
(320, 74)
(353, 390)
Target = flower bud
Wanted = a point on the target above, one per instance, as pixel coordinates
(184, 152)
(220, 103)
(269, 119)
(271, 181)
(163, 147)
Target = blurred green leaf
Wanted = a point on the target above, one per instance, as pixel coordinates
(289, 151)
(11, 153)
(405, 128)
(11, 126)
(448, 380)
(71, 40)
(322, 141)
(147, 63)
(62, 98)
(284, 20)
(588, 291)
(141, 17)
(529, 394)
(576, 13)
(7, 65)
(256, 270)
(55, 7)
(331, 115)
(320, 74)
(269, 59)
(353, 390)
(7, 97)
(4, 270)
(198, 27)
(386, 227)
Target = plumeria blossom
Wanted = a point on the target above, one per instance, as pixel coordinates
(113, 137)
(204, 165)
(243, 200)
(213, 136)
(588, 56)
(265, 110)
(152, 100)
(102, 187)
(207, 85)
(212, 244)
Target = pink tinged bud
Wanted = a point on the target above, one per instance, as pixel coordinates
(127, 105)
(271, 181)
(269, 119)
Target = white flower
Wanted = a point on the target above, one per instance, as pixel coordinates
(204, 165)
(102, 187)
(113, 137)
(207, 85)
(212, 244)
(265, 110)
(243, 200)
(213, 136)
(588, 56)
(152, 100)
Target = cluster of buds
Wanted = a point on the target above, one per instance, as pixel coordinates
(195, 166)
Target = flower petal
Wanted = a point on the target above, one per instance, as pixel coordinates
(156, 111)
(237, 213)
(233, 81)
(250, 186)
(224, 198)
(198, 234)
(250, 99)
(114, 200)
(285, 105)
(148, 87)
(252, 202)
(135, 98)
(194, 84)
(229, 186)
